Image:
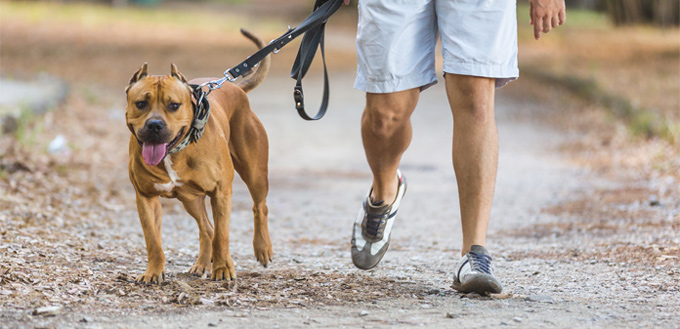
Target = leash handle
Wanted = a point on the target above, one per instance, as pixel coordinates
(313, 39)
(313, 28)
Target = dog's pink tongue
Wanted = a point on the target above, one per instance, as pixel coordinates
(153, 153)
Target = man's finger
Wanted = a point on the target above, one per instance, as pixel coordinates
(538, 25)
(547, 24)
(555, 22)
(346, 2)
(563, 16)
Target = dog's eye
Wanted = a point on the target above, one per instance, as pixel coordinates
(141, 104)
(173, 107)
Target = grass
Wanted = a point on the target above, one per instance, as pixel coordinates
(631, 72)
(640, 121)
(27, 128)
(88, 15)
(577, 19)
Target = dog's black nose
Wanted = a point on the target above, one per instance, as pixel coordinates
(155, 125)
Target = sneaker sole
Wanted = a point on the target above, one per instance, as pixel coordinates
(481, 284)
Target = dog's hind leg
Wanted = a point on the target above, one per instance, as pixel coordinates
(196, 208)
(250, 153)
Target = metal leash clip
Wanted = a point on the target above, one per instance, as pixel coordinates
(217, 84)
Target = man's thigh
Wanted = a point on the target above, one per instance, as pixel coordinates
(479, 38)
(395, 45)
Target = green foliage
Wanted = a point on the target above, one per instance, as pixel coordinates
(640, 121)
(27, 128)
(96, 15)
(577, 19)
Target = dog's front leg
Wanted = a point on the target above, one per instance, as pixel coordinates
(196, 208)
(223, 266)
(150, 215)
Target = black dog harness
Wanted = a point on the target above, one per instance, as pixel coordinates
(201, 115)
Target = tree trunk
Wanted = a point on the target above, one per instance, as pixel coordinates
(657, 12)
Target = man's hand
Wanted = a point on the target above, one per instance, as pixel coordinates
(545, 15)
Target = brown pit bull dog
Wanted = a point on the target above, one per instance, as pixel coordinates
(159, 113)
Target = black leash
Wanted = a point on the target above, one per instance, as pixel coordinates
(313, 28)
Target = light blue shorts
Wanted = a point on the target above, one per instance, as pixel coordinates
(396, 42)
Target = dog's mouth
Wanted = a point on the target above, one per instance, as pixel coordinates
(154, 153)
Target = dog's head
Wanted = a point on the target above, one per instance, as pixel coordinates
(159, 111)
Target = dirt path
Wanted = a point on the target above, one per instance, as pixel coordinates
(558, 270)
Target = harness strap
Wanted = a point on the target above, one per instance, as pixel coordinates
(201, 115)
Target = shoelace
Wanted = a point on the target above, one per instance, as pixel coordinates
(480, 262)
(373, 224)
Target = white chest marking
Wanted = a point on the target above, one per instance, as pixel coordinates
(174, 178)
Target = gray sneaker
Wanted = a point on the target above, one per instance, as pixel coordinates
(373, 227)
(474, 273)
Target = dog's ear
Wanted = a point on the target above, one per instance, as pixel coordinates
(175, 73)
(139, 75)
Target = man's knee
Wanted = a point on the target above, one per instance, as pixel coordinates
(386, 114)
(471, 98)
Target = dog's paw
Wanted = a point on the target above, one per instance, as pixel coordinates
(200, 268)
(151, 277)
(223, 270)
(264, 255)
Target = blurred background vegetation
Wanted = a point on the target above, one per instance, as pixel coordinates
(623, 55)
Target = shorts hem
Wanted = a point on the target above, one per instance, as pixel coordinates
(393, 85)
(502, 73)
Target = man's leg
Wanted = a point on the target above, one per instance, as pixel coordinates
(475, 152)
(475, 160)
(386, 133)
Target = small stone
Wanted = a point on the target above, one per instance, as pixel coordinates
(363, 313)
(86, 319)
(654, 200)
(426, 306)
(540, 299)
(9, 124)
(500, 296)
(48, 310)
(517, 319)
(452, 315)
(212, 324)
(58, 145)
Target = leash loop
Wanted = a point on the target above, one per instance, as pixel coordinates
(313, 28)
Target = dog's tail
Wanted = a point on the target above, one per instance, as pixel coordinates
(253, 79)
